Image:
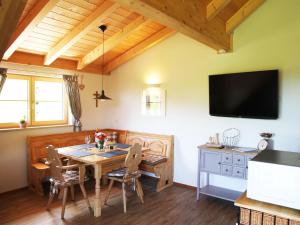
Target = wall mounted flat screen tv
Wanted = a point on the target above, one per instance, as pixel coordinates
(246, 95)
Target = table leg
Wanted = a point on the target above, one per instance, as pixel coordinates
(199, 174)
(97, 202)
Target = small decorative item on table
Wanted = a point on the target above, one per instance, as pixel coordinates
(213, 142)
(99, 139)
(114, 137)
(266, 142)
(231, 137)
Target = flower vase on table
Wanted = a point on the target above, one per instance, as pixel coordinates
(101, 145)
(99, 139)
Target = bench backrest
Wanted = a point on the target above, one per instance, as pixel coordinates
(158, 144)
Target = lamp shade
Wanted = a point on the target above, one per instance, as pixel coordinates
(103, 97)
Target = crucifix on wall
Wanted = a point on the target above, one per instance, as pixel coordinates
(96, 98)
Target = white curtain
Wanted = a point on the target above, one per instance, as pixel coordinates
(72, 89)
(3, 76)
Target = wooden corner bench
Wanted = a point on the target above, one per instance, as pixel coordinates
(158, 159)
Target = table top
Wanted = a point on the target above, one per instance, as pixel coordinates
(272, 209)
(279, 157)
(237, 150)
(94, 156)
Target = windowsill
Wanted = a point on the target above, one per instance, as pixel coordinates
(35, 127)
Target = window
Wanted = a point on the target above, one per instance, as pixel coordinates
(153, 101)
(38, 100)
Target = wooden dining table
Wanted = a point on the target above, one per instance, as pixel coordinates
(97, 159)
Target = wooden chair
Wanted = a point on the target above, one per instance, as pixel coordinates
(135, 140)
(64, 177)
(129, 173)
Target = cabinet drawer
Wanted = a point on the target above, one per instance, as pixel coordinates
(238, 172)
(226, 170)
(238, 160)
(211, 161)
(227, 158)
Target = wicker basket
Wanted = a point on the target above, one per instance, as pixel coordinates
(294, 222)
(268, 219)
(281, 221)
(245, 216)
(256, 218)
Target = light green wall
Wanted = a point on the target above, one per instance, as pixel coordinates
(268, 39)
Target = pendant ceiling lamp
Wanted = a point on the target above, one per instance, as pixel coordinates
(102, 96)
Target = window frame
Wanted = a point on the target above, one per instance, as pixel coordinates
(31, 103)
(32, 108)
(19, 77)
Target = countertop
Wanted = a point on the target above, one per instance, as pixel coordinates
(279, 157)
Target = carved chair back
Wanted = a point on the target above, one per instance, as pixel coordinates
(55, 163)
(133, 159)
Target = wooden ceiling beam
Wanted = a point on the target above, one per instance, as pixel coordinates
(36, 14)
(38, 60)
(92, 21)
(112, 42)
(214, 7)
(187, 17)
(248, 8)
(138, 49)
(11, 12)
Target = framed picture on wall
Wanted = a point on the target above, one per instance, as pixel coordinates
(153, 101)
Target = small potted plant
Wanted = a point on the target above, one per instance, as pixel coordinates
(23, 123)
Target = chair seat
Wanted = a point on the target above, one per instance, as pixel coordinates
(71, 176)
(120, 175)
(117, 173)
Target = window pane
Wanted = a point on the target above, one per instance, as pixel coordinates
(13, 111)
(48, 91)
(15, 89)
(47, 111)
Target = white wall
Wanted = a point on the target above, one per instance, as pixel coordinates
(13, 151)
(268, 39)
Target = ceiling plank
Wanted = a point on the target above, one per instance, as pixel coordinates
(214, 7)
(36, 14)
(92, 21)
(138, 49)
(187, 17)
(10, 13)
(112, 41)
(38, 60)
(242, 14)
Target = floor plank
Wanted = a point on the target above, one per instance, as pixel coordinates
(173, 206)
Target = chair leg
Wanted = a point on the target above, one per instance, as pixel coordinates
(84, 195)
(51, 197)
(140, 190)
(137, 189)
(60, 193)
(124, 196)
(72, 192)
(111, 182)
(65, 195)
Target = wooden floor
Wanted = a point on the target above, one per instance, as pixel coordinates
(173, 206)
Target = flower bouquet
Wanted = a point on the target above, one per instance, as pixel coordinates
(99, 139)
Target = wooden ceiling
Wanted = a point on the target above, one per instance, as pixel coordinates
(65, 33)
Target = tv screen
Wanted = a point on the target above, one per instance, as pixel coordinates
(247, 95)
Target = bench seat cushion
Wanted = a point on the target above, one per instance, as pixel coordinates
(152, 160)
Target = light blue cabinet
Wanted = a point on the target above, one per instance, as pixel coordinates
(224, 162)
